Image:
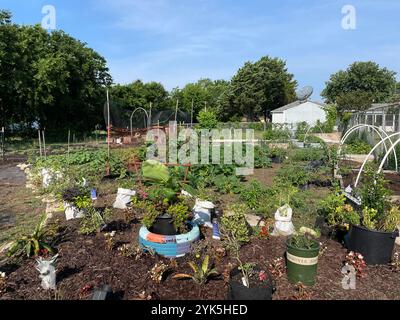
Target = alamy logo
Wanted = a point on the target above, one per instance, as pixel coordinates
(349, 21)
(49, 20)
(203, 146)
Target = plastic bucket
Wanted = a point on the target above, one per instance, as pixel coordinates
(375, 246)
(301, 264)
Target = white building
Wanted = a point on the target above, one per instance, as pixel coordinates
(299, 111)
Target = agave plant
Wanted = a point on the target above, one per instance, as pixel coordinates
(201, 273)
(33, 244)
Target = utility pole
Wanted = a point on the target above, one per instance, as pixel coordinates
(176, 109)
(149, 118)
(108, 133)
(191, 114)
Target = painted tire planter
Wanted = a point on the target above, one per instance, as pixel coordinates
(301, 264)
(375, 246)
(169, 246)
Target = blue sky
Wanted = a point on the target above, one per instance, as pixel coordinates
(181, 41)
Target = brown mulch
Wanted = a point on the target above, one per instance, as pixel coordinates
(85, 261)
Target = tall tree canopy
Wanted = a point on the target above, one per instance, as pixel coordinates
(364, 78)
(205, 93)
(50, 79)
(138, 94)
(258, 88)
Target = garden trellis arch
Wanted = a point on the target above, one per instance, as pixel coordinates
(384, 158)
(309, 129)
(134, 111)
(378, 130)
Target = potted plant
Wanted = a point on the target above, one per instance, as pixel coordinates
(247, 281)
(302, 252)
(336, 216)
(75, 201)
(375, 236)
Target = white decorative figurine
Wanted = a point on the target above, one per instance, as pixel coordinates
(47, 272)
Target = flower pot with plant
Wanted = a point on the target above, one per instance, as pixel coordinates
(375, 236)
(302, 252)
(247, 281)
(74, 201)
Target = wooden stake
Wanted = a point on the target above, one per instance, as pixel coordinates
(40, 144)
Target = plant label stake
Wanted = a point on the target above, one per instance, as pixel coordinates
(102, 294)
(47, 272)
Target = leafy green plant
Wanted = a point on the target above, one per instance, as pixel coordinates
(357, 146)
(93, 220)
(293, 175)
(261, 157)
(32, 244)
(392, 219)
(201, 273)
(303, 241)
(234, 223)
(180, 215)
(149, 211)
(333, 200)
(370, 218)
(276, 134)
(343, 215)
(207, 120)
(227, 184)
(374, 193)
(253, 194)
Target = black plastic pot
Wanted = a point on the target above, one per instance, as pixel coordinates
(276, 159)
(375, 246)
(164, 225)
(259, 291)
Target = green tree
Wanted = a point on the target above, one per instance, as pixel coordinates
(360, 85)
(50, 79)
(260, 87)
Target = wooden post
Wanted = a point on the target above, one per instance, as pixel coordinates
(44, 145)
(3, 151)
(69, 139)
(191, 114)
(108, 133)
(176, 109)
(40, 143)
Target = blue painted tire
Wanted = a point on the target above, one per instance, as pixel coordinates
(169, 246)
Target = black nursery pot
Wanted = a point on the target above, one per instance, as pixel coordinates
(375, 246)
(259, 291)
(164, 225)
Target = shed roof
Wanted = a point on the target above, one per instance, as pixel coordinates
(295, 104)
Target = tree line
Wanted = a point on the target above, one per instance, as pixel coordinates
(53, 81)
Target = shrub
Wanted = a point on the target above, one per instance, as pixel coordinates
(261, 157)
(180, 215)
(357, 146)
(207, 120)
(93, 220)
(253, 194)
(227, 184)
(292, 174)
(276, 134)
(343, 216)
(327, 206)
(374, 193)
(234, 223)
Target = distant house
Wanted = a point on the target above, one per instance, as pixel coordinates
(299, 111)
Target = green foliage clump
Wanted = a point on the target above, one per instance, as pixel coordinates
(276, 134)
(261, 157)
(253, 194)
(292, 174)
(307, 154)
(234, 223)
(93, 220)
(374, 193)
(201, 273)
(207, 120)
(32, 244)
(180, 215)
(333, 200)
(343, 216)
(227, 184)
(357, 146)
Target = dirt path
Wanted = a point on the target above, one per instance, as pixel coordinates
(19, 207)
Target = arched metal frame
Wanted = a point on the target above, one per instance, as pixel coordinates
(134, 111)
(308, 130)
(384, 158)
(377, 130)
